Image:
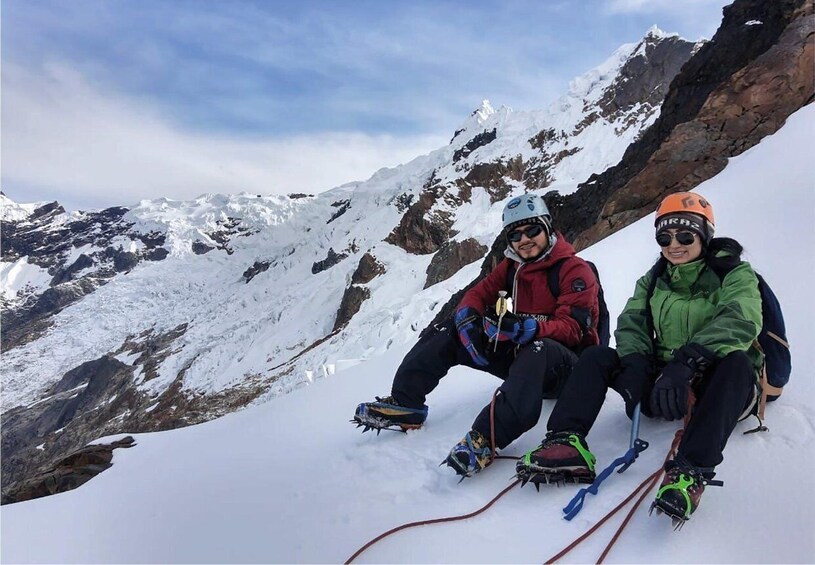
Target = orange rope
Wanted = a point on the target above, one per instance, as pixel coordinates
(451, 518)
(434, 521)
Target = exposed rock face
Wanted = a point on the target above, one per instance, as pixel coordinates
(70, 473)
(480, 140)
(152, 348)
(368, 269)
(351, 302)
(201, 248)
(494, 177)
(451, 258)
(353, 297)
(421, 231)
(331, 259)
(342, 207)
(228, 228)
(48, 423)
(752, 103)
(736, 89)
(95, 399)
(642, 79)
(257, 268)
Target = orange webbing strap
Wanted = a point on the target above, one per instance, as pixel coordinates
(779, 339)
(764, 383)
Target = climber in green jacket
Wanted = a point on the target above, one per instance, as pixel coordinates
(691, 340)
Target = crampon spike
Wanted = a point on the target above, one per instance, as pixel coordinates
(676, 521)
(368, 424)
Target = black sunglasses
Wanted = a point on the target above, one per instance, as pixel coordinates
(532, 231)
(684, 238)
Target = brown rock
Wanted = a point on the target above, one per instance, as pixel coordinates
(73, 471)
(368, 269)
(451, 258)
(350, 304)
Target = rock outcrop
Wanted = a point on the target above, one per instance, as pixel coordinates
(451, 258)
(68, 474)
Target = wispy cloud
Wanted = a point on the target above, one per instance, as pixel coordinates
(59, 131)
(134, 99)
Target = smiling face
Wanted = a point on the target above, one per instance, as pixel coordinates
(529, 247)
(677, 253)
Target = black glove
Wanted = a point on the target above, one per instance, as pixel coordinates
(630, 381)
(669, 399)
(468, 325)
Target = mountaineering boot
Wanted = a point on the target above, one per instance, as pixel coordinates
(387, 414)
(470, 455)
(681, 490)
(561, 457)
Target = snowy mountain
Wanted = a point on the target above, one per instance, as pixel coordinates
(165, 314)
(192, 309)
(291, 481)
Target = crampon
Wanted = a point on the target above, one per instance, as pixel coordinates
(369, 422)
(560, 476)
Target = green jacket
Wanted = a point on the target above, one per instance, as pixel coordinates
(691, 304)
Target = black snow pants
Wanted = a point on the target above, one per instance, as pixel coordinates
(530, 373)
(722, 396)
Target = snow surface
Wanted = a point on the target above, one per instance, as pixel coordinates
(292, 481)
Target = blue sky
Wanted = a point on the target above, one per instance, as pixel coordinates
(109, 102)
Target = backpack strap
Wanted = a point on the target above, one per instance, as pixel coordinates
(553, 277)
(655, 272)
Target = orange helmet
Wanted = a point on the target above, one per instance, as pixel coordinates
(686, 202)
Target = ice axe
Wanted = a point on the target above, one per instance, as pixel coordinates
(502, 306)
(635, 447)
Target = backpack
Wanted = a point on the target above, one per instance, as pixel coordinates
(553, 281)
(771, 340)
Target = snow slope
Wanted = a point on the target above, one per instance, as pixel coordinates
(292, 481)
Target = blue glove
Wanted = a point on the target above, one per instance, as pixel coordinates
(512, 328)
(468, 325)
(527, 331)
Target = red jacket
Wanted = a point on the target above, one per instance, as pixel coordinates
(557, 318)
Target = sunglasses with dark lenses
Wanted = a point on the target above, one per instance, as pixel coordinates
(683, 238)
(532, 231)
